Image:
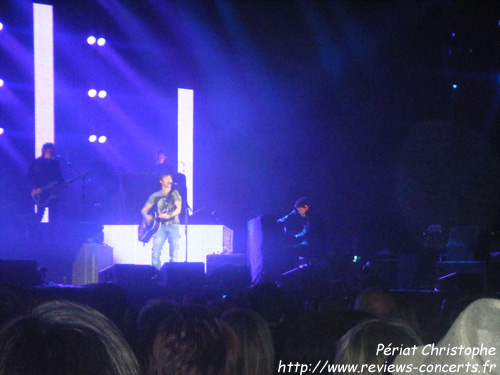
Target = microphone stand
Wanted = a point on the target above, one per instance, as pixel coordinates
(186, 227)
(186, 213)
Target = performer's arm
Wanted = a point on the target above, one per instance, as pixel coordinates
(175, 213)
(302, 234)
(307, 228)
(145, 212)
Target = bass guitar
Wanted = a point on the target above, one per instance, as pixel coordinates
(42, 196)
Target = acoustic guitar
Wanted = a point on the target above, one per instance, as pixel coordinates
(146, 231)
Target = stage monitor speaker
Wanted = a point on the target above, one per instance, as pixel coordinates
(19, 273)
(215, 261)
(127, 275)
(91, 259)
(183, 275)
(228, 270)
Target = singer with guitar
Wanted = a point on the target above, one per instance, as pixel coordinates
(44, 171)
(167, 203)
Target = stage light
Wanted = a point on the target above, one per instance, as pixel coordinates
(91, 40)
(185, 128)
(454, 86)
(92, 93)
(1, 26)
(102, 139)
(102, 94)
(1, 131)
(1, 82)
(453, 35)
(92, 138)
(43, 48)
(101, 41)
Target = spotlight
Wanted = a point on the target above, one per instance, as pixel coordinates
(1, 131)
(102, 139)
(1, 26)
(102, 94)
(454, 86)
(92, 138)
(453, 35)
(1, 82)
(101, 41)
(92, 93)
(91, 40)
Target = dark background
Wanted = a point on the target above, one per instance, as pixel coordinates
(347, 102)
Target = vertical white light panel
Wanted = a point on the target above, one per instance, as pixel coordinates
(43, 45)
(44, 74)
(185, 139)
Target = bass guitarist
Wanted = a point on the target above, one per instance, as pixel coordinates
(45, 170)
(168, 207)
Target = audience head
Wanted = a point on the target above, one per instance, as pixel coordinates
(256, 341)
(310, 339)
(148, 322)
(190, 341)
(476, 331)
(64, 338)
(359, 345)
(269, 302)
(375, 301)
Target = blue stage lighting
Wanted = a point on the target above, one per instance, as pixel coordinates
(1, 131)
(453, 35)
(101, 41)
(102, 139)
(1, 26)
(92, 138)
(102, 94)
(454, 86)
(91, 40)
(1, 82)
(92, 93)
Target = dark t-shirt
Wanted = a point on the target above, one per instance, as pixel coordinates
(165, 204)
(44, 171)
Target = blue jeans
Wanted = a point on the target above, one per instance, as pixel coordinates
(170, 232)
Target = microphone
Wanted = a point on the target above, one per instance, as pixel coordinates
(285, 218)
